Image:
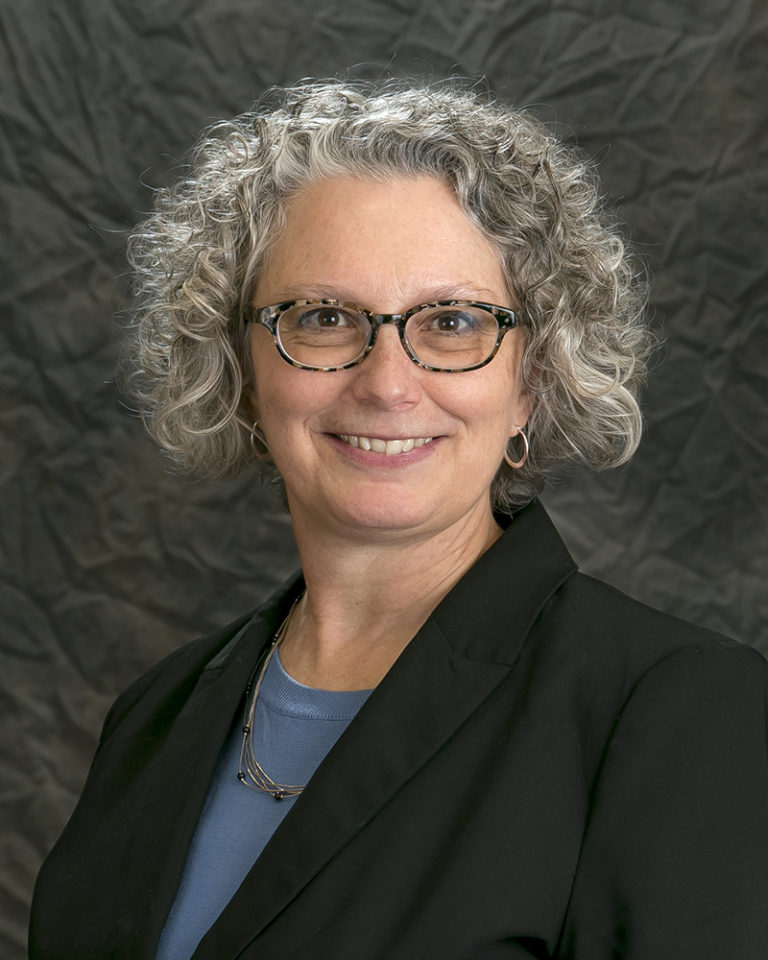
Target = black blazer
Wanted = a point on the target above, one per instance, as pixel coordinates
(550, 769)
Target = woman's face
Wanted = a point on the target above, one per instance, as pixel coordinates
(385, 246)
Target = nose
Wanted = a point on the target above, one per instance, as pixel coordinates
(387, 376)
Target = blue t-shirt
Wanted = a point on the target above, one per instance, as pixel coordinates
(294, 727)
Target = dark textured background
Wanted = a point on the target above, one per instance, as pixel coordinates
(108, 562)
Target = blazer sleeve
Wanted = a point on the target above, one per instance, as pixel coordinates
(674, 861)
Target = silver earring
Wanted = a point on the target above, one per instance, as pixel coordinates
(259, 442)
(516, 464)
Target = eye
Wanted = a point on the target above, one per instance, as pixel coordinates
(324, 318)
(452, 321)
(322, 326)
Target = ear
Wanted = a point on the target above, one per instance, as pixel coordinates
(249, 403)
(522, 413)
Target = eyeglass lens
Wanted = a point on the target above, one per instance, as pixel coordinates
(447, 337)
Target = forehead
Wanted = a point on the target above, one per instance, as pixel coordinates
(398, 241)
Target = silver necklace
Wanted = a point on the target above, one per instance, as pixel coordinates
(249, 771)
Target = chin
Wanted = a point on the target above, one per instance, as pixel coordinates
(377, 516)
(382, 520)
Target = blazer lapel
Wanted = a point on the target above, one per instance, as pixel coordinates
(175, 783)
(456, 660)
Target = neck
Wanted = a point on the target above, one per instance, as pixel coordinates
(366, 599)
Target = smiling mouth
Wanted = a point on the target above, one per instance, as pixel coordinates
(389, 447)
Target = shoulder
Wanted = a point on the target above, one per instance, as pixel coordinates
(680, 790)
(628, 675)
(172, 680)
(594, 604)
(173, 677)
(601, 622)
(539, 598)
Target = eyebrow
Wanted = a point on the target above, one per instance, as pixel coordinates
(323, 291)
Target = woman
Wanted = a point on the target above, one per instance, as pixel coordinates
(439, 740)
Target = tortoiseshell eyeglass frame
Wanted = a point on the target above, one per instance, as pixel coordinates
(506, 319)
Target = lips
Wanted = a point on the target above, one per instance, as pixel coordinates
(390, 448)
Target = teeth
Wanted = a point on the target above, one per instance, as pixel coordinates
(389, 447)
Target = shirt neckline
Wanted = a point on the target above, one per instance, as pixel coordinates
(282, 694)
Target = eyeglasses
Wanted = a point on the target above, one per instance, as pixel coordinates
(446, 336)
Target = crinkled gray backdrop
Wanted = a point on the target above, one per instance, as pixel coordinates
(109, 562)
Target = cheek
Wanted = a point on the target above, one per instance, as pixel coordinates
(492, 407)
(275, 384)
(513, 404)
(279, 405)
(286, 401)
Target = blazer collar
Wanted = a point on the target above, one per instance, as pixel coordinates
(488, 614)
(463, 651)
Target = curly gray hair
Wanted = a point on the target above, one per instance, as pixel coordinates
(197, 260)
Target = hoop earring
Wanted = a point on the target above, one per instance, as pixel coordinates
(257, 437)
(516, 464)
